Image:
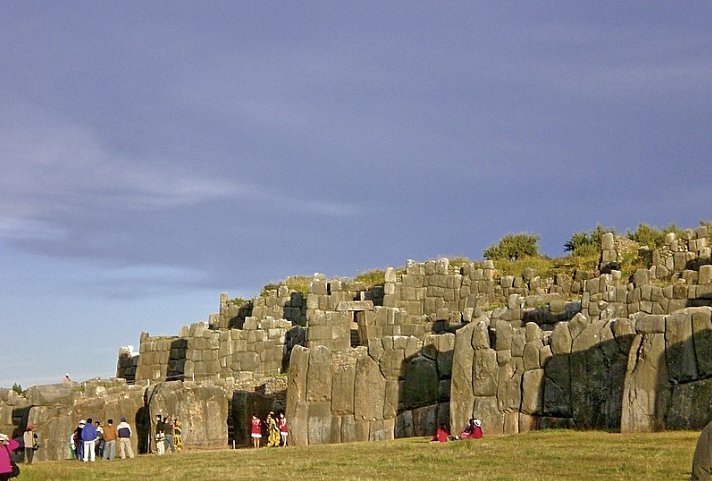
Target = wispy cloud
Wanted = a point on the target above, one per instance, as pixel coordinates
(54, 169)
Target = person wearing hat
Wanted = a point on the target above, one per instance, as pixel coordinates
(78, 443)
(7, 447)
(477, 430)
(29, 438)
(123, 431)
(473, 430)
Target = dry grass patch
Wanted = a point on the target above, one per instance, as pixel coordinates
(537, 456)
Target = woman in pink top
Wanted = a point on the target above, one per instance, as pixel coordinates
(7, 446)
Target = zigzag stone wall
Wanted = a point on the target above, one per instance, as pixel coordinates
(436, 343)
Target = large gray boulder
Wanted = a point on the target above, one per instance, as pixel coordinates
(645, 397)
(319, 374)
(52, 394)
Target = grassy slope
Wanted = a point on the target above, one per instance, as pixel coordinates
(536, 456)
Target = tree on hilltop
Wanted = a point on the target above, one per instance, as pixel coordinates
(514, 247)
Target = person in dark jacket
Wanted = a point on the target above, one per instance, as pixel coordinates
(89, 440)
(702, 460)
(123, 431)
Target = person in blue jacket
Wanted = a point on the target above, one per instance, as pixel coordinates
(89, 441)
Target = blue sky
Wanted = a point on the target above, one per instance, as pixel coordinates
(154, 154)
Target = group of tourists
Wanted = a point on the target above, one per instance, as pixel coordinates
(169, 435)
(274, 428)
(473, 430)
(91, 440)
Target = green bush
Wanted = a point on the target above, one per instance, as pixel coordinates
(583, 244)
(376, 277)
(514, 247)
(652, 237)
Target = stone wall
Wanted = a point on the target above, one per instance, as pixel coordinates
(644, 373)
(396, 387)
(261, 348)
(213, 413)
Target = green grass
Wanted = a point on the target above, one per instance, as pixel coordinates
(536, 456)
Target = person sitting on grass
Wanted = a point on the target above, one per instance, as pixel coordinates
(441, 434)
(473, 430)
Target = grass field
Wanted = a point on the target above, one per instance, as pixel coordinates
(536, 456)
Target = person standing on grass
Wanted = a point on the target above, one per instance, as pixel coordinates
(272, 431)
(702, 459)
(123, 431)
(99, 439)
(89, 441)
(256, 431)
(78, 443)
(29, 438)
(170, 431)
(177, 435)
(109, 440)
(160, 435)
(283, 429)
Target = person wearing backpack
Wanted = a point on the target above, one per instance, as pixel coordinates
(8, 468)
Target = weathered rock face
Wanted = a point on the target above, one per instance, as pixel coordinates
(202, 410)
(392, 388)
(639, 374)
(212, 413)
(55, 411)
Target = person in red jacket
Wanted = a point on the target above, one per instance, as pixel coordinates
(441, 434)
(283, 429)
(473, 430)
(256, 431)
(7, 447)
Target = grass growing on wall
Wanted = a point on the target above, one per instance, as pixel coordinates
(536, 456)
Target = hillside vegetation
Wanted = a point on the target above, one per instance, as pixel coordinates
(536, 456)
(513, 254)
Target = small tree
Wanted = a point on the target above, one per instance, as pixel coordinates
(513, 247)
(584, 243)
(17, 388)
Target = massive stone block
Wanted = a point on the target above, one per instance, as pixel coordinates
(202, 408)
(645, 389)
(679, 347)
(319, 422)
(51, 394)
(533, 391)
(421, 382)
(690, 405)
(557, 387)
(369, 390)
(342, 387)
(484, 372)
(297, 381)
(319, 375)
(702, 339)
(462, 397)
